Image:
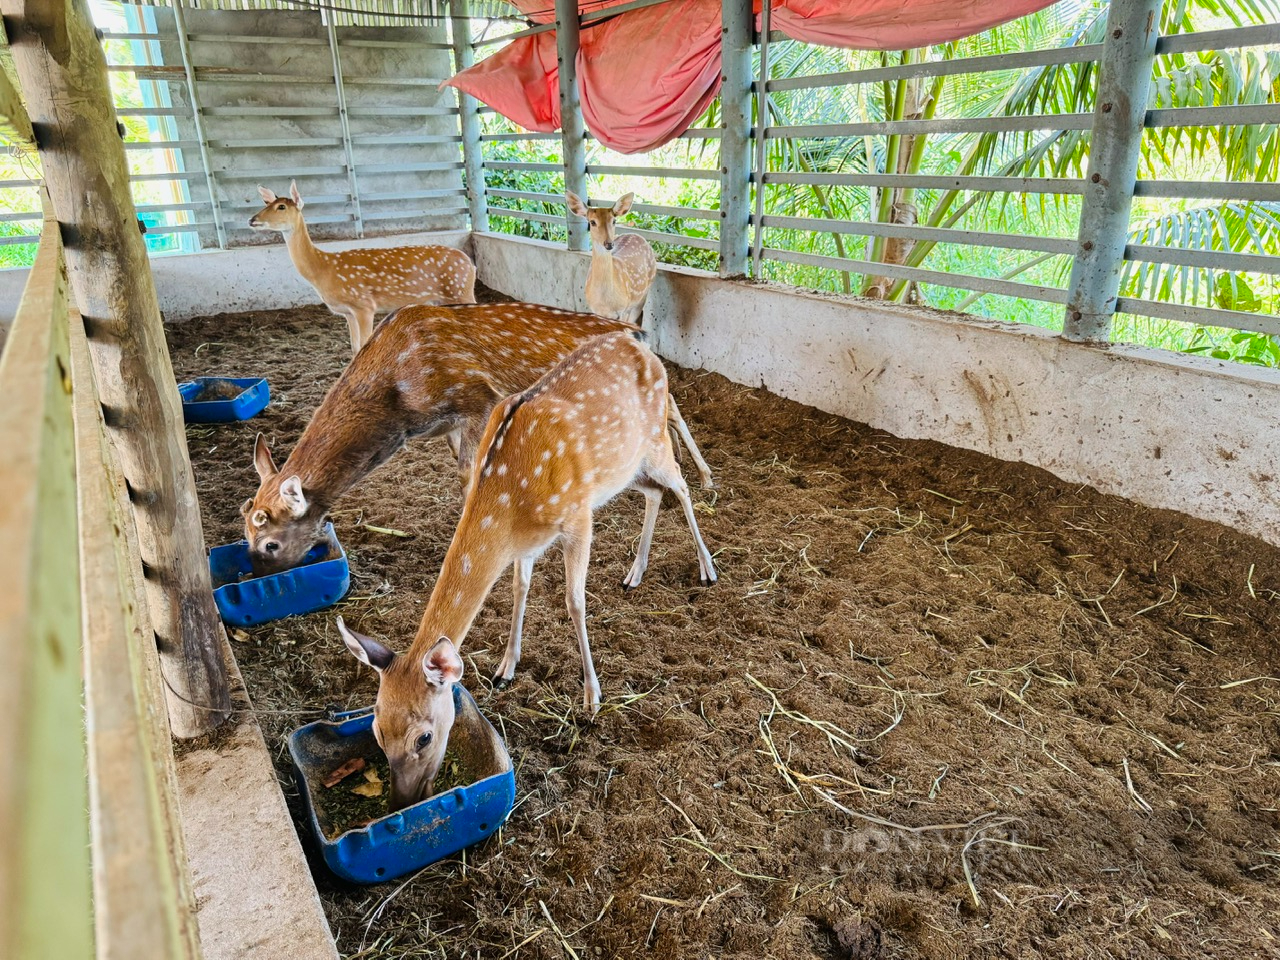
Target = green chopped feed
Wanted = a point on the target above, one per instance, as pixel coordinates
(341, 809)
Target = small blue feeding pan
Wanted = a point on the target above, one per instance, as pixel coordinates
(321, 581)
(391, 845)
(223, 399)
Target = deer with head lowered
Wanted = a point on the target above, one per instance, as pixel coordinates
(622, 267)
(357, 284)
(427, 371)
(594, 426)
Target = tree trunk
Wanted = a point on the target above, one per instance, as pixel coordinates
(63, 74)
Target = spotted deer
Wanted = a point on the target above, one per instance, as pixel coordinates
(427, 371)
(593, 426)
(356, 284)
(622, 267)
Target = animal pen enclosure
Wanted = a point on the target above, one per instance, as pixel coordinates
(941, 703)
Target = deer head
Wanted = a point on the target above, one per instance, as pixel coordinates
(280, 213)
(414, 712)
(281, 523)
(600, 220)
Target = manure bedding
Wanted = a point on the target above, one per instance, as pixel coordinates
(937, 706)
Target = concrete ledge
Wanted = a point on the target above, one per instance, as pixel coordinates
(230, 281)
(255, 897)
(1164, 429)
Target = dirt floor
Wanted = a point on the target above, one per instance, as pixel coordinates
(937, 706)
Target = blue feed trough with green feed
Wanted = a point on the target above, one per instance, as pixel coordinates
(245, 601)
(223, 399)
(409, 839)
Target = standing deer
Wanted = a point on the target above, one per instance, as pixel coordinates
(427, 371)
(622, 267)
(594, 426)
(356, 284)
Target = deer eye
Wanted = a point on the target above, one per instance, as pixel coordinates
(593, 223)
(280, 206)
(422, 742)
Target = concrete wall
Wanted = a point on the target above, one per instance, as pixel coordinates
(230, 281)
(1167, 430)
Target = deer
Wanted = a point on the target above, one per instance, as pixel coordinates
(356, 284)
(593, 426)
(426, 371)
(622, 267)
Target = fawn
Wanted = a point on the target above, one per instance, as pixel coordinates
(358, 283)
(593, 426)
(426, 371)
(622, 267)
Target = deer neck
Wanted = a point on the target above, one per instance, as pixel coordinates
(304, 254)
(471, 566)
(346, 439)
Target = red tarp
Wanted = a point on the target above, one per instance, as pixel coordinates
(645, 75)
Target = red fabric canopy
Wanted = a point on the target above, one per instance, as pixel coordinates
(645, 75)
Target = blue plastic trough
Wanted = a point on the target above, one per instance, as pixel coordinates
(317, 584)
(428, 831)
(252, 400)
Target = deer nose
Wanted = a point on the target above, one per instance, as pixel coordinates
(609, 245)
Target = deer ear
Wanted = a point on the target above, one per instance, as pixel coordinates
(623, 205)
(576, 206)
(262, 460)
(366, 649)
(442, 665)
(293, 192)
(293, 497)
(267, 195)
(246, 507)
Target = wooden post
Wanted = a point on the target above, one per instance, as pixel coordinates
(737, 23)
(45, 904)
(573, 131)
(63, 74)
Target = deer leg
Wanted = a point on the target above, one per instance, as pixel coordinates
(521, 572)
(469, 437)
(652, 500)
(353, 329)
(577, 555)
(682, 428)
(364, 318)
(454, 439)
(664, 470)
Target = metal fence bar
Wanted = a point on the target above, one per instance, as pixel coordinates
(1115, 146)
(532, 31)
(526, 215)
(1262, 35)
(571, 125)
(675, 239)
(348, 149)
(1214, 116)
(1201, 316)
(920, 181)
(1209, 259)
(761, 144)
(497, 137)
(254, 112)
(519, 165)
(193, 98)
(464, 55)
(941, 68)
(1208, 190)
(737, 23)
(677, 173)
(976, 238)
(1007, 288)
(814, 131)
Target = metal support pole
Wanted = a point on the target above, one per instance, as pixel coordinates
(464, 55)
(762, 156)
(1124, 79)
(572, 130)
(737, 21)
(188, 71)
(352, 183)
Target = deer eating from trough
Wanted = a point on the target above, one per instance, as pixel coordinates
(622, 267)
(594, 426)
(357, 284)
(427, 371)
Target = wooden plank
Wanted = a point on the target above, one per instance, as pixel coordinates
(63, 74)
(15, 125)
(143, 902)
(45, 904)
